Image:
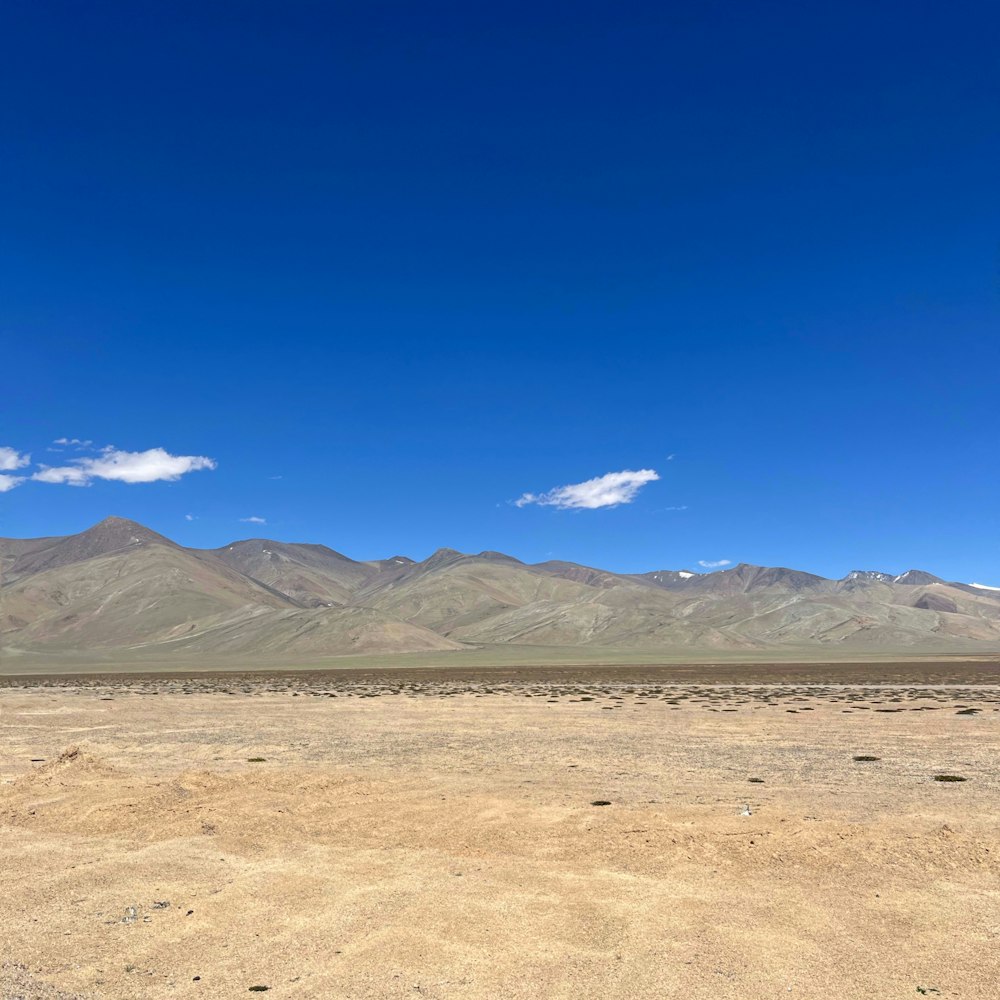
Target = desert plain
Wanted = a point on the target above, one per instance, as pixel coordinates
(704, 831)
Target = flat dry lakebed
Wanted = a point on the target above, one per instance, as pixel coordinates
(211, 838)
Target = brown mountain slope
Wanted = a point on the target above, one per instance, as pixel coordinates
(450, 591)
(126, 597)
(113, 534)
(312, 575)
(480, 599)
(119, 585)
(739, 579)
(301, 631)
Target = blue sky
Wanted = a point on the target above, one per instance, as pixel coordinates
(387, 268)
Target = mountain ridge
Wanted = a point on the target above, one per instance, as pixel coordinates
(120, 585)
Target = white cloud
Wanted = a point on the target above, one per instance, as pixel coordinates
(66, 475)
(189, 517)
(684, 507)
(73, 441)
(609, 490)
(11, 459)
(714, 563)
(8, 483)
(153, 465)
(254, 520)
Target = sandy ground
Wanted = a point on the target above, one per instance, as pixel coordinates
(427, 839)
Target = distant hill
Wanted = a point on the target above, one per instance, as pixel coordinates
(120, 586)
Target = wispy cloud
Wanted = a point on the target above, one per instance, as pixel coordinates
(254, 520)
(112, 464)
(714, 563)
(9, 482)
(608, 490)
(11, 459)
(190, 517)
(66, 475)
(682, 507)
(76, 442)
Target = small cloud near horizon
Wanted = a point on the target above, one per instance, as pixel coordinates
(254, 520)
(714, 563)
(609, 490)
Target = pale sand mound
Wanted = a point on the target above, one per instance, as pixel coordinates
(448, 848)
(72, 764)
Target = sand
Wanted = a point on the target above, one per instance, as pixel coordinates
(423, 838)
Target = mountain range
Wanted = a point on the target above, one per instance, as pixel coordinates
(119, 586)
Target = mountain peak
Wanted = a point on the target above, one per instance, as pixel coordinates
(917, 578)
(668, 578)
(112, 535)
(442, 557)
(498, 557)
(114, 521)
(745, 577)
(868, 576)
(117, 532)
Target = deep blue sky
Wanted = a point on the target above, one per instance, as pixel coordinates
(418, 259)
